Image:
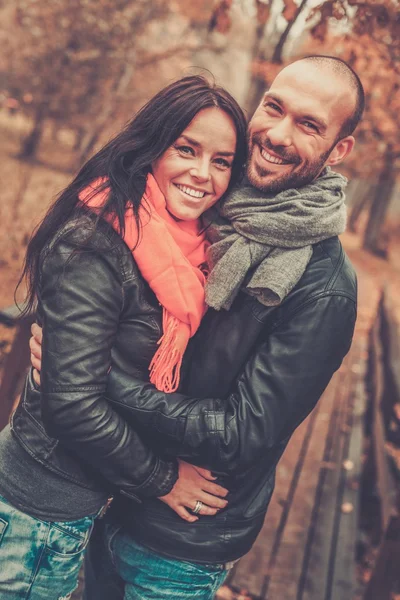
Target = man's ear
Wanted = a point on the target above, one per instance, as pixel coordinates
(341, 151)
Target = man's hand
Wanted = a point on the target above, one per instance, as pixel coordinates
(35, 344)
(195, 485)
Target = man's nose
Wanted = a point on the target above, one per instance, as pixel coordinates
(280, 134)
(201, 170)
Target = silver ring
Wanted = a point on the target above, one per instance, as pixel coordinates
(197, 508)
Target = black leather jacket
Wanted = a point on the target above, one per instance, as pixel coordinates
(252, 375)
(97, 313)
(259, 372)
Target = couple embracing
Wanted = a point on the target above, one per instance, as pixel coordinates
(192, 315)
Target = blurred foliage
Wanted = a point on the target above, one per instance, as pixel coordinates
(86, 65)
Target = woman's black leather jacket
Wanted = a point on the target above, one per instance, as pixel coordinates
(97, 314)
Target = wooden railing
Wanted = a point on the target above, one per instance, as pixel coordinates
(16, 361)
(385, 391)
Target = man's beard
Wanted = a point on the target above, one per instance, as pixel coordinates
(290, 180)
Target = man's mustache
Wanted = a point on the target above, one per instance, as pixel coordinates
(281, 151)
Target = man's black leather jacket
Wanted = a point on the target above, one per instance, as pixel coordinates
(254, 374)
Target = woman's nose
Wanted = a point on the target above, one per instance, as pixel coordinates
(201, 170)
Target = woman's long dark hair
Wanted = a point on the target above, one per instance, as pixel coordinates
(126, 160)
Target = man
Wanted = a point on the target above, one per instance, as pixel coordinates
(254, 371)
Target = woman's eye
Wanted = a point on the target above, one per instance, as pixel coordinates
(222, 162)
(185, 150)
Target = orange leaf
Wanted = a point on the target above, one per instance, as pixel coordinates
(263, 11)
(290, 10)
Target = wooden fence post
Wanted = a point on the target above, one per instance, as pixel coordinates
(16, 362)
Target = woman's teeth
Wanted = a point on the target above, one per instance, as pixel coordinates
(190, 192)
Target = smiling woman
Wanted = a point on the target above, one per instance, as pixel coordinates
(115, 270)
(195, 171)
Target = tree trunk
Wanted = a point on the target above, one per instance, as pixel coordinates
(361, 200)
(277, 55)
(373, 239)
(31, 143)
(259, 84)
(109, 105)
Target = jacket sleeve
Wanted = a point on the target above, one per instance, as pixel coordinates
(279, 386)
(80, 299)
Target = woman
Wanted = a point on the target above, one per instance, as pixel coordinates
(116, 268)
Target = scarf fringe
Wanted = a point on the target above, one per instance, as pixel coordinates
(166, 363)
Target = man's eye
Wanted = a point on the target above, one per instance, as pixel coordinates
(273, 106)
(309, 125)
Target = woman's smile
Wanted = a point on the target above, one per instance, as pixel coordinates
(194, 173)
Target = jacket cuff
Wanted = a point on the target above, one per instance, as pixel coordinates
(160, 482)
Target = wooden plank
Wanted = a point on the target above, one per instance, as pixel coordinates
(286, 569)
(342, 581)
(385, 576)
(252, 569)
(392, 318)
(14, 369)
(322, 535)
(384, 478)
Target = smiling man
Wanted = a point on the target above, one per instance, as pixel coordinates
(284, 307)
(304, 122)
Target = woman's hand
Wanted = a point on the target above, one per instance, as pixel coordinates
(35, 344)
(195, 485)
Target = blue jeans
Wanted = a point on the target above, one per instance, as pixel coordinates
(39, 560)
(117, 567)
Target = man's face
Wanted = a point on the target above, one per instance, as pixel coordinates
(293, 133)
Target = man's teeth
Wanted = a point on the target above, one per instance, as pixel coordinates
(191, 192)
(270, 158)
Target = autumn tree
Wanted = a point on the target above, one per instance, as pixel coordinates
(372, 47)
(366, 33)
(73, 56)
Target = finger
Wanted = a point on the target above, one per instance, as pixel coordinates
(204, 473)
(207, 511)
(35, 362)
(35, 347)
(212, 501)
(214, 489)
(37, 332)
(183, 513)
(36, 377)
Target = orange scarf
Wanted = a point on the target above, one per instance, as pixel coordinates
(169, 256)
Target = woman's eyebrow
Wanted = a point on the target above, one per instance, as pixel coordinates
(190, 140)
(197, 144)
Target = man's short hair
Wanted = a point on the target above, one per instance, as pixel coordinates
(341, 68)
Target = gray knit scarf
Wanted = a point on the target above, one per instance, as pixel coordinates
(263, 243)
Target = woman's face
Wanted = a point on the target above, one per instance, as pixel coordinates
(195, 171)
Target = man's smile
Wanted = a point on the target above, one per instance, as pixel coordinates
(271, 158)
